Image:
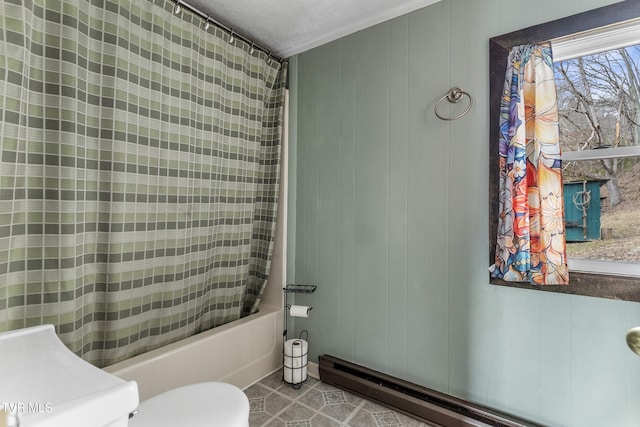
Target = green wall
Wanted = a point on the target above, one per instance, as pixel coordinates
(389, 216)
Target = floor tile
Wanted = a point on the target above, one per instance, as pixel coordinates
(353, 399)
(321, 421)
(333, 396)
(296, 412)
(273, 381)
(374, 407)
(313, 398)
(257, 419)
(276, 422)
(362, 419)
(274, 403)
(257, 390)
(339, 411)
(291, 392)
(257, 404)
(384, 419)
(311, 382)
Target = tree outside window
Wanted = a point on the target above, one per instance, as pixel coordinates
(599, 108)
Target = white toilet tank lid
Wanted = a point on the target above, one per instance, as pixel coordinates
(207, 404)
(40, 379)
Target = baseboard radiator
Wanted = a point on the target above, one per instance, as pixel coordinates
(429, 406)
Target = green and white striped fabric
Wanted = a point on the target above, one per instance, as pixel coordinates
(138, 175)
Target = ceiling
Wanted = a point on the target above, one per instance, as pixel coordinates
(288, 27)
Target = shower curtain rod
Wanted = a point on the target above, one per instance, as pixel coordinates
(208, 18)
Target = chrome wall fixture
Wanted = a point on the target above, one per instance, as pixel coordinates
(233, 35)
(454, 96)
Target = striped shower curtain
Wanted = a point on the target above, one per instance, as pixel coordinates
(139, 173)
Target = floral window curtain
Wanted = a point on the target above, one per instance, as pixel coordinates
(139, 167)
(531, 244)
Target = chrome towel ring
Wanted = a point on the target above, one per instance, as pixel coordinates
(454, 96)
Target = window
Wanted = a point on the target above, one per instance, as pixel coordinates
(598, 88)
(591, 33)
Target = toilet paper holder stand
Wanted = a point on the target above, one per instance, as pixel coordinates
(294, 289)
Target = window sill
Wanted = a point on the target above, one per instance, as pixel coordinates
(610, 286)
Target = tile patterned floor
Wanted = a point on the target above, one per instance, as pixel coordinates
(275, 403)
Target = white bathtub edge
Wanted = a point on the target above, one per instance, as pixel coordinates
(239, 353)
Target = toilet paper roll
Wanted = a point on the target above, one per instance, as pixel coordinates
(295, 361)
(299, 311)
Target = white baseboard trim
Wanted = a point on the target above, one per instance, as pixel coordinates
(313, 370)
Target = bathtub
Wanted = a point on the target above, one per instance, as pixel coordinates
(239, 353)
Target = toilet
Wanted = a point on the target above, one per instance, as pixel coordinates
(210, 404)
(47, 385)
